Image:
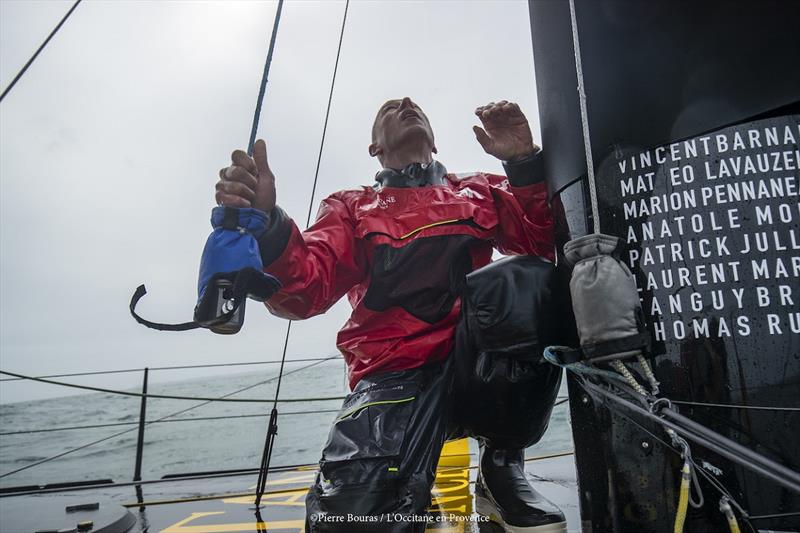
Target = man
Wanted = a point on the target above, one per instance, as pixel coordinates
(401, 250)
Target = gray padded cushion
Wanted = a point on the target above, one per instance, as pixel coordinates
(604, 296)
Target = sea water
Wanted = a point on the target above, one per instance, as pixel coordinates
(193, 436)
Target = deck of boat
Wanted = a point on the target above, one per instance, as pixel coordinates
(225, 504)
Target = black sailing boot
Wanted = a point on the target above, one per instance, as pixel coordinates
(503, 493)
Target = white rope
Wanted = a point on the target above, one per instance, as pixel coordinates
(648, 372)
(587, 143)
(622, 369)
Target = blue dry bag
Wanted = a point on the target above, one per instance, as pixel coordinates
(230, 272)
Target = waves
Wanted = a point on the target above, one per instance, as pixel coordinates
(186, 446)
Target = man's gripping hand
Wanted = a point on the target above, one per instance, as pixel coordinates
(507, 135)
(248, 182)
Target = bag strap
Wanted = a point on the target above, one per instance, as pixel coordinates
(239, 294)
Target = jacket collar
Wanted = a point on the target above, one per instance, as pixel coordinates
(414, 175)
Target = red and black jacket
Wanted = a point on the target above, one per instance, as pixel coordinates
(401, 255)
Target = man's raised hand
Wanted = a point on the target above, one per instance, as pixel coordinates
(248, 182)
(505, 133)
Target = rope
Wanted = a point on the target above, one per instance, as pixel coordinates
(686, 453)
(578, 368)
(648, 372)
(181, 367)
(622, 369)
(327, 115)
(587, 142)
(38, 51)
(263, 88)
(725, 508)
(689, 472)
(708, 477)
(272, 427)
(168, 396)
(683, 498)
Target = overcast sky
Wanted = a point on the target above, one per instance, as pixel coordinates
(111, 143)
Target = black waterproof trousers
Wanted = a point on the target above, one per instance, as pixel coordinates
(379, 463)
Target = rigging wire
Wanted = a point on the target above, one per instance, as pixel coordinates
(272, 426)
(327, 115)
(716, 484)
(735, 406)
(221, 398)
(650, 410)
(38, 51)
(773, 516)
(700, 435)
(264, 76)
(587, 142)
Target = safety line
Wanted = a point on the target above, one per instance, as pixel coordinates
(167, 396)
(38, 51)
(76, 374)
(192, 419)
(178, 367)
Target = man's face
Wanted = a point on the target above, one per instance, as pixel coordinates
(397, 122)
